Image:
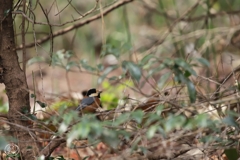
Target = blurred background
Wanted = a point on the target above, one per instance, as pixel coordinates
(187, 49)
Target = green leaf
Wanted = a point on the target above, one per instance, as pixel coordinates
(179, 76)
(151, 131)
(33, 96)
(35, 60)
(182, 63)
(43, 105)
(60, 53)
(232, 154)
(110, 49)
(187, 74)
(137, 116)
(133, 68)
(86, 66)
(3, 143)
(203, 61)
(60, 158)
(191, 91)
(71, 64)
(157, 69)
(174, 122)
(32, 116)
(68, 117)
(111, 137)
(113, 78)
(229, 120)
(121, 119)
(85, 158)
(68, 54)
(106, 72)
(6, 12)
(163, 79)
(201, 120)
(168, 62)
(151, 118)
(159, 109)
(57, 58)
(146, 59)
(83, 129)
(100, 67)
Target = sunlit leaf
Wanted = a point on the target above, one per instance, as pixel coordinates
(151, 131)
(57, 58)
(35, 60)
(63, 127)
(85, 65)
(71, 64)
(69, 54)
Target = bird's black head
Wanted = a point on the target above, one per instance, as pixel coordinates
(93, 93)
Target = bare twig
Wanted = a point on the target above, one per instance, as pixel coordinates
(4, 116)
(77, 25)
(51, 33)
(55, 142)
(23, 38)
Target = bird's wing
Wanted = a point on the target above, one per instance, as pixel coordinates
(85, 102)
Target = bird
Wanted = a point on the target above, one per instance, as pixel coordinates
(90, 102)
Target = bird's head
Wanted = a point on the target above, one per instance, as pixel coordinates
(94, 93)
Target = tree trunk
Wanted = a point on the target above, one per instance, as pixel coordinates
(15, 84)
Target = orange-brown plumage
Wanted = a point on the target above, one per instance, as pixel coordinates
(91, 102)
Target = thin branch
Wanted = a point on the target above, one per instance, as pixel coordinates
(56, 142)
(52, 24)
(51, 32)
(4, 116)
(69, 2)
(23, 38)
(80, 24)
